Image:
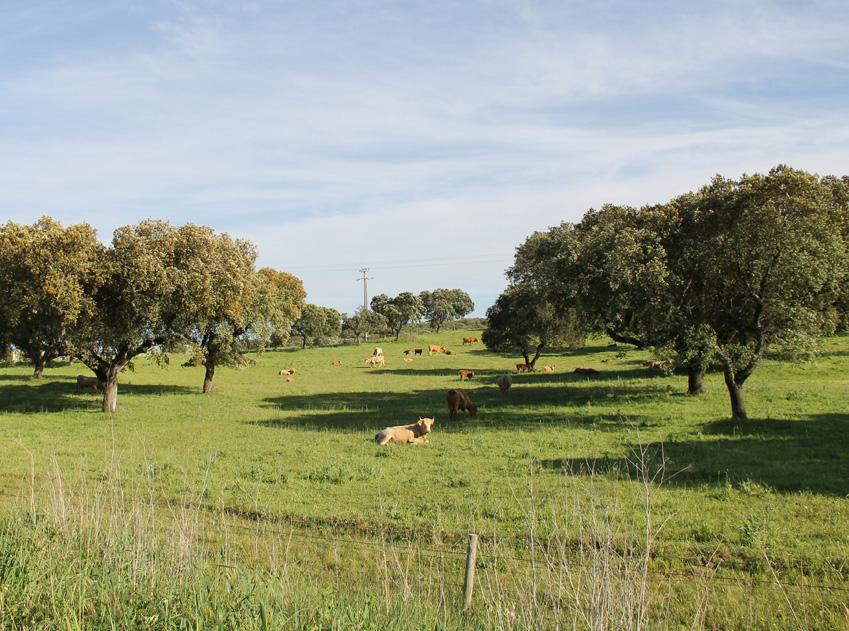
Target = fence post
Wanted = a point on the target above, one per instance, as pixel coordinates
(469, 584)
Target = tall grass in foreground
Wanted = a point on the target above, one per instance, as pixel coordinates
(111, 552)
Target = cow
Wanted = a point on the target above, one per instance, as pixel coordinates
(459, 400)
(549, 368)
(586, 371)
(469, 340)
(88, 383)
(377, 352)
(504, 382)
(286, 372)
(407, 359)
(417, 351)
(433, 348)
(407, 352)
(523, 368)
(465, 374)
(448, 351)
(415, 433)
(375, 360)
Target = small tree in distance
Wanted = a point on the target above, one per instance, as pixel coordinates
(443, 305)
(363, 321)
(316, 321)
(522, 320)
(399, 311)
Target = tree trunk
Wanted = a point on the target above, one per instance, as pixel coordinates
(735, 391)
(210, 373)
(304, 344)
(110, 394)
(110, 387)
(695, 380)
(398, 334)
(533, 362)
(39, 360)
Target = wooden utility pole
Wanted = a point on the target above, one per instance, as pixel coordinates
(365, 278)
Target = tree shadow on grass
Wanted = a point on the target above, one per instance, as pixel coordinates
(525, 407)
(785, 456)
(57, 394)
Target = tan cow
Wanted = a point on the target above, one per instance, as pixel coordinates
(88, 383)
(377, 352)
(415, 433)
(549, 368)
(465, 374)
(469, 340)
(407, 360)
(286, 372)
(375, 360)
(459, 400)
(434, 348)
(504, 382)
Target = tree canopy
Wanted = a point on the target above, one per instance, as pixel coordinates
(443, 305)
(399, 311)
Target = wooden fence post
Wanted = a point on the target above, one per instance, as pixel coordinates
(471, 557)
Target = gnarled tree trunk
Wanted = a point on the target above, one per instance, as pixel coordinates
(39, 360)
(210, 373)
(735, 392)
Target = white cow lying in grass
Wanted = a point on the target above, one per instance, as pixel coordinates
(414, 433)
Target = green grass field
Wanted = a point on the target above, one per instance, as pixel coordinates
(727, 525)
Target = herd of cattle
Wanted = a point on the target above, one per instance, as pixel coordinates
(415, 433)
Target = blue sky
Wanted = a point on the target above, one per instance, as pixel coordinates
(423, 139)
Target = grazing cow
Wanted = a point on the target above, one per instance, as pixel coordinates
(375, 360)
(469, 340)
(549, 368)
(459, 400)
(286, 372)
(377, 352)
(504, 382)
(415, 433)
(407, 352)
(88, 383)
(417, 351)
(523, 368)
(433, 348)
(465, 374)
(586, 371)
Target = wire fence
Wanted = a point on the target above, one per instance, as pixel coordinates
(540, 560)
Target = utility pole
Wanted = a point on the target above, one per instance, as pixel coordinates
(365, 278)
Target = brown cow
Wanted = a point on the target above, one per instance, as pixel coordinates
(523, 368)
(88, 383)
(469, 340)
(459, 400)
(504, 382)
(417, 351)
(586, 371)
(407, 352)
(465, 374)
(414, 433)
(434, 348)
(549, 368)
(448, 351)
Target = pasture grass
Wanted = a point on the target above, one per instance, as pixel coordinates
(618, 486)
